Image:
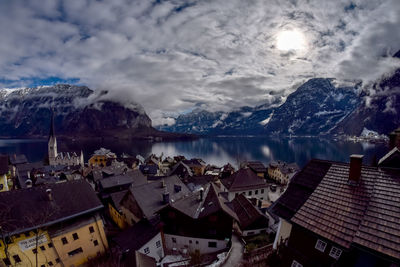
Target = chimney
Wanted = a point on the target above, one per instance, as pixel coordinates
(49, 194)
(355, 169)
(165, 197)
(162, 183)
(201, 194)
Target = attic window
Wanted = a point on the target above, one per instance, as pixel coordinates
(320, 245)
(335, 252)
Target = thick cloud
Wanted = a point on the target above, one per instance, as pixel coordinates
(171, 56)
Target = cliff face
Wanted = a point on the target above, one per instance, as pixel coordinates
(78, 112)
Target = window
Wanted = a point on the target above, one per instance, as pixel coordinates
(42, 265)
(146, 250)
(50, 263)
(6, 261)
(58, 260)
(212, 244)
(17, 259)
(75, 236)
(335, 252)
(320, 245)
(34, 251)
(197, 242)
(91, 229)
(250, 193)
(158, 243)
(173, 240)
(64, 240)
(296, 264)
(75, 251)
(95, 243)
(190, 241)
(262, 191)
(50, 245)
(256, 192)
(42, 248)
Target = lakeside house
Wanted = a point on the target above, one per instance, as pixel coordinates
(282, 172)
(341, 213)
(245, 181)
(4, 171)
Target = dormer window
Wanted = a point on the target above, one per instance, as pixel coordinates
(320, 245)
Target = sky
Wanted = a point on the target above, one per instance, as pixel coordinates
(174, 56)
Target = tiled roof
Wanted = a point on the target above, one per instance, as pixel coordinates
(192, 206)
(3, 164)
(117, 197)
(150, 196)
(134, 177)
(27, 209)
(136, 236)
(256, 166)
(243, 179)
(367, 214)
(246, 212)
(300, 188)
(18, 159)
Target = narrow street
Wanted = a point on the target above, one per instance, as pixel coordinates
(236, 254)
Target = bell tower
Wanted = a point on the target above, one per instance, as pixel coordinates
(52, 144)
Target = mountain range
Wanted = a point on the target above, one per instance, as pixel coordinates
(79, 112)
(315, 108)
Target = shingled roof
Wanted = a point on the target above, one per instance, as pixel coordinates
(300, 188)
(366, 214)
(248, 214)
(243, 179)
(27, 209)
(136, 236)
(134, 177)
(192, 206)
(256, 166)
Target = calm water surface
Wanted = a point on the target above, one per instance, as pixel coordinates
(218, 150)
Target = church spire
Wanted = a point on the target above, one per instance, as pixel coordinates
(51, 133)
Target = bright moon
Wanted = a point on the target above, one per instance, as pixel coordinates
(290, 40)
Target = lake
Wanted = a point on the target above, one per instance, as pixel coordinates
(216, 150)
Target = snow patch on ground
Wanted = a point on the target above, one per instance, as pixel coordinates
(221, 260)
(266, 121)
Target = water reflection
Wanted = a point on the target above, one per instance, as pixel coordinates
(216, 151)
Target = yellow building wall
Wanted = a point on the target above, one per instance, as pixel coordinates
(118, 218)
(4, 183)
(98, 160)
(260, 174)
(57, 250)
(85, 241)
(28, 258)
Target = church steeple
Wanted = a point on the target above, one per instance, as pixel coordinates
(52, 145)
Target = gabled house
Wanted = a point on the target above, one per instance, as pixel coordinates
(182, 170)
(145, 200)
(350, 219)
(257, 167)
(197, 166)
(282, 172)
(198, 221)
(115, 211)
(16, 160)
(142, 237)
(246, 182)
(251, 221)
(299, 190)
(60, 224)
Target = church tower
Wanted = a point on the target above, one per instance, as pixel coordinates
(52, 145)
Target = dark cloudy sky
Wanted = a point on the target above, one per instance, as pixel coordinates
(171, 56)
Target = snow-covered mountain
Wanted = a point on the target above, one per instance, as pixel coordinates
(78, 112)
(380, 107)
(243, 121)
(315, 108)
